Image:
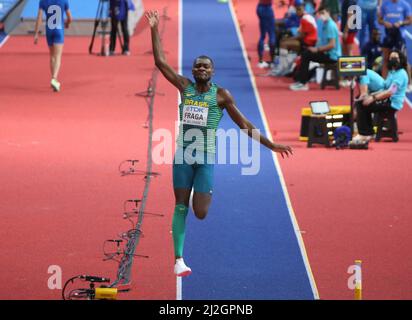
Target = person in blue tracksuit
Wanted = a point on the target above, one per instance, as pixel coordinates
(54, 10)
(119, 10)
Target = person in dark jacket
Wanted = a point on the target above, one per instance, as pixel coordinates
(118, 12)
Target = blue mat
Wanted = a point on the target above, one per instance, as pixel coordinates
(246, 248)
(81, 9)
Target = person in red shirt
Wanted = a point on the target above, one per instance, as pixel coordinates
(307, 37)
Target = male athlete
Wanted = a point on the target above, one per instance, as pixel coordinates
(200, 112)
(54, 10)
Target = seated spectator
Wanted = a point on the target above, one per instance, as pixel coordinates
(306, 37)
(370, 83)
(391, 98)
(393, 15)
(327, 50)
(288, 26)
(310, 5)
(373, 49)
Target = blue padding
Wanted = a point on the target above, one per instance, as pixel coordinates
(81, 9)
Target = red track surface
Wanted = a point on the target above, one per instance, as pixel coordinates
(61, 193)
(351, 204)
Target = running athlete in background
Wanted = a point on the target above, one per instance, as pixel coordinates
(200, 112)
(54, 10)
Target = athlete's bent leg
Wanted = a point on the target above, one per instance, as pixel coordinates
(201, 203)
(203, 187)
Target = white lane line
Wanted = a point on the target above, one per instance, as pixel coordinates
(179, 59)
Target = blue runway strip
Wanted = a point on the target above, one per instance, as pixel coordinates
(246, 248)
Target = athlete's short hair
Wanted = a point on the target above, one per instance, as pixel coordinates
(205, 57)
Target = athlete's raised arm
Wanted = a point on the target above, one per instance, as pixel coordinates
(171, 75)
(226, 100)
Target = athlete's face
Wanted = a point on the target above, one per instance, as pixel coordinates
(202, 70)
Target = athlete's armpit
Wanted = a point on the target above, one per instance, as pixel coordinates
(225, 100)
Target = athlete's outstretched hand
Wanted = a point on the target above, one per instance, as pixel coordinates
(279, 148)
(153, 18)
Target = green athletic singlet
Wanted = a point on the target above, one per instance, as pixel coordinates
(199, 118)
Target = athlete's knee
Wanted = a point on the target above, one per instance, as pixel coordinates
(200, 209)
(200, 213)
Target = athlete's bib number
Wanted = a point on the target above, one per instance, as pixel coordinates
(195, 115)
